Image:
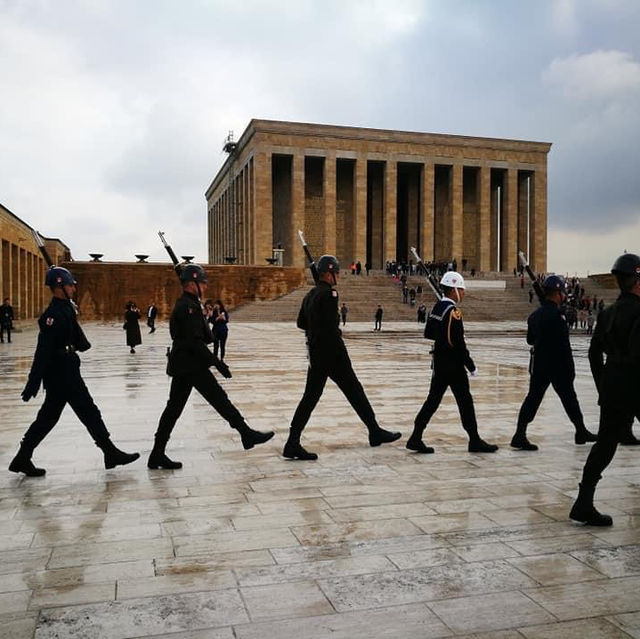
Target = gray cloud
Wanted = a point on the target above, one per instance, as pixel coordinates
(117, 110)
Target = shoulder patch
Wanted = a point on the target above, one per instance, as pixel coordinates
(456, 313)
(334, 293)
(49, 321)
(190, 310)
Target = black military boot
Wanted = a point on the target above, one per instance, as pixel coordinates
(478, 445)
(629, 439)
(520, 441)
(114, 456)
(379, 436)
(293, 450)
(583, 436)
(158, 458)
(415, 442)
(22, 463)
(585, 512)
(251, 438)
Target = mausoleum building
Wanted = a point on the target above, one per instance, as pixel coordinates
(371, 194)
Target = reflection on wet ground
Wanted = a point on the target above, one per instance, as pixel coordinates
(364, 542)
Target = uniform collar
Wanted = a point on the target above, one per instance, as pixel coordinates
(448, 299)
(191, 296)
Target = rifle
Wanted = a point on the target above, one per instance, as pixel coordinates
(312, 263)
(431, 280)
(532, 276)
(42, 247)
(172, 255)
(83, 342)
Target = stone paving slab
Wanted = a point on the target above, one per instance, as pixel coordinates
(364, 542)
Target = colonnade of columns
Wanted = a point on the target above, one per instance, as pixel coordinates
(22, 279)
(374, 207)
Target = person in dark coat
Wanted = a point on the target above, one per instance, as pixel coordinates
(220, 330)
(451, 361)
(551, 364)
(131, 325)
(328, 358)
(56, 365)
(188, 367)
(152, 313)
(6, 320)
(617, 378)
(377, 326)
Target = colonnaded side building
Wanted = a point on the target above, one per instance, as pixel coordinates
(370, 194)
(22, 268)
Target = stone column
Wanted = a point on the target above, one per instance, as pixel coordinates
(510, 240)
(297, 211)
(426, 212)
(484, 226)
(390, 210)
(360, 209)
(457, 214)
(329, 191)
(523, 218)
(538, 231)
(263, 207)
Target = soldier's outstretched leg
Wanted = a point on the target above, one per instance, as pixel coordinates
(88, 413)
(462, 394)
(206, 384)
(316, 380)
(437, 388)
(537, 388)
(347, 381)
(567, 394)
(612, 422)
(178, 396)
(45, 420)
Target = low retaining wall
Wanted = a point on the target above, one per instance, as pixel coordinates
(105, 287)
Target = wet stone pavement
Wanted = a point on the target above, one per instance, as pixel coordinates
(364, 542)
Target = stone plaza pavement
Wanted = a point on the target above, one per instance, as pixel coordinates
(364, 542)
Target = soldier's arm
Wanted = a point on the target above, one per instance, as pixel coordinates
(45, 351)
(455, 338)
(596, 351)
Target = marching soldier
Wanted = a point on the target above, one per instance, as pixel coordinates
(617, 336)
(189, 362)
(552, 363)
(328, 358)
(451, 361)
(57, 365)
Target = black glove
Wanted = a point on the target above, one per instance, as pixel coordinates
(222, 368)
(30, 390)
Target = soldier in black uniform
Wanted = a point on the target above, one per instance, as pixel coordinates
(57, 365)
(617, 336)
(189, 362)
(451, 361)
(552, 363)
(328, 358)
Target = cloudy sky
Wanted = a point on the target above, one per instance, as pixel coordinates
(113, 112)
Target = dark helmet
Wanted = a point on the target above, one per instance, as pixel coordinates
(193, 273)
(57, 277)
(553, 283)
(627, 264)
(328, 264)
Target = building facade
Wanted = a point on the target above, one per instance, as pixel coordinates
(22, 266)
(370, 194)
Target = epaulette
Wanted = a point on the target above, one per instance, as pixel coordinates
(456, 313)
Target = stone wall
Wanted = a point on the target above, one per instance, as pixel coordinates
(105, 287)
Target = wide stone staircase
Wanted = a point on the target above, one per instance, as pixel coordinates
(362, 294)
